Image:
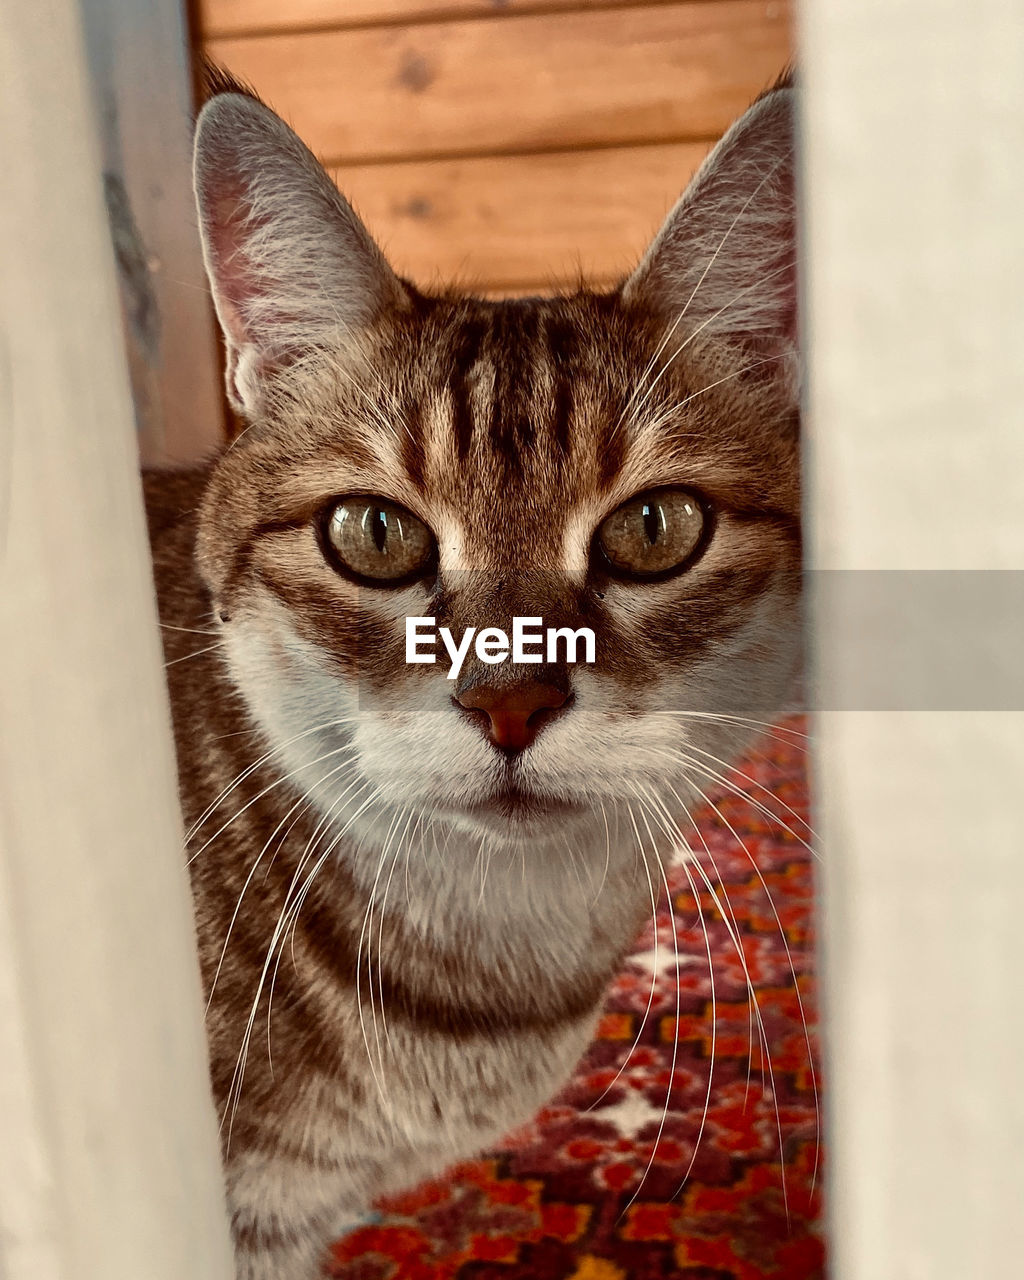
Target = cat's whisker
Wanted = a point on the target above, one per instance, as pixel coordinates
(282, 924)
(729, 377)
(366, 933)
(429, 858)
(675, 1038)
(270, 998)
(785, 942)
(291, 925)
(726, 913)
(780, 271)
(197, 654)
(212, 807)
(303, 802)
(291, 922)
(292, 773)
(703, 277)
(574, 860)
(284, 914)
(745, 777)
(724, 781)
(249, 769)
(681, 758)
(192, 631)
(607, 856)
(654, 967)
(395, 856)
(235, 733)
(338, 800)
(380, 931)
(736, 938)
(234, 1091)
(780, 733)
(714, 1028)
(768, 1060)
(792, 970)
(753, 1007)
(485, 866)
(732, 925)
(670, 412)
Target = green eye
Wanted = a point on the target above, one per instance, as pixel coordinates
(377, 539)
(653, 533)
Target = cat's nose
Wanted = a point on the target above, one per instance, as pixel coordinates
(514, 714)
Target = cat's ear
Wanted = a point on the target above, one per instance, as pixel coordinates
(724, 262)
(291, 267)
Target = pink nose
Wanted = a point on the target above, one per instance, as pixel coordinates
(515, 714)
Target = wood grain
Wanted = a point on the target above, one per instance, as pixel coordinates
(247, 17)
(521, 223)
(667, 72)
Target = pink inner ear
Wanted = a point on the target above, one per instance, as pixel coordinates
(250, 296)
(227, 227)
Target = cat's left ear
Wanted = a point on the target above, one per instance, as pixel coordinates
(723, 264)
(291, 267)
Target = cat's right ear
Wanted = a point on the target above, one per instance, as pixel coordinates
(291, 267)
(724, 264)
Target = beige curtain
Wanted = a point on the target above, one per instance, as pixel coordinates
(914, 166)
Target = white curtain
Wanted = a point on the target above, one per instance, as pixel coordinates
(914, 190)
(108, 1151)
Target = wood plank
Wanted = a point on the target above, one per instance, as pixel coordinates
(542, 82)
(521, 223)
(249, 17)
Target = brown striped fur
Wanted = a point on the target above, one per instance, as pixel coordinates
(460, 910)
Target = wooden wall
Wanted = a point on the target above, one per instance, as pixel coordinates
(508, 144)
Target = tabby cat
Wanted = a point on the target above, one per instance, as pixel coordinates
(411, 892)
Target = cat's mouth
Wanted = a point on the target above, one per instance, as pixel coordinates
(513, 804)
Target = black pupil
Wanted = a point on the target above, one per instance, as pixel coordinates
(652, 525)
(379, 528)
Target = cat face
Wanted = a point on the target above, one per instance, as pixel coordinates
(626, 463)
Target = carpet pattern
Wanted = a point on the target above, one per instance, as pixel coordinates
(605, 1183)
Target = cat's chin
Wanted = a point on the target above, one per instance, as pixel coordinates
(519, 807)
(519, 813)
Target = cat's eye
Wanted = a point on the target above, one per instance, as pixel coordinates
(376, 539)
(654, 533)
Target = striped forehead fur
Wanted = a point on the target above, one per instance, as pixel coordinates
(545, 390)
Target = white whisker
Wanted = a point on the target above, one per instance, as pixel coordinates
(234, 1090)
(654, 974)
(303, 802)
(796, 984)
(197, 654)
(675, 1038)
(318, 728)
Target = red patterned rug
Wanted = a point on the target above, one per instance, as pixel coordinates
(604, 1184)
